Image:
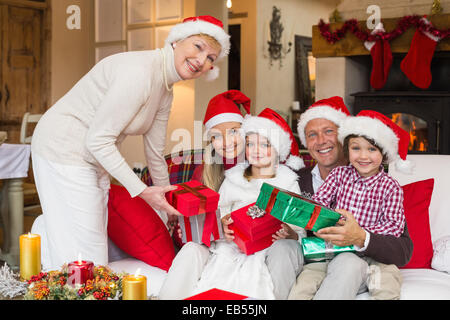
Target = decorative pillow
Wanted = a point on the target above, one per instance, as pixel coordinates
(441, 256)
(138, 230)
(417, 198)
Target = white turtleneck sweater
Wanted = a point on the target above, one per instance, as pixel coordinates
(124, 94)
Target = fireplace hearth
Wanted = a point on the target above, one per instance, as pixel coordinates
(424, 114)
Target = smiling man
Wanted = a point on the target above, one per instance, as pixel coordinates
(318, 131)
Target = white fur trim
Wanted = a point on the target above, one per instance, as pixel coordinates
(295, 162)
(284, 178)
(212, 74)
(223, 117)
(428, 34)
(279, 138)
(378, 28)
(374, 129)
(325, 112)
(183, 30)
(404, 166)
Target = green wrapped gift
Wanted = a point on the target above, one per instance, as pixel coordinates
(295, 209)
(316, 249)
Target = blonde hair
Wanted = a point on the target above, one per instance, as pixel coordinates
(210, 40)
(213, 172)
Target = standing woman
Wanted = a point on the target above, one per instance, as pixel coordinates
(76, 143)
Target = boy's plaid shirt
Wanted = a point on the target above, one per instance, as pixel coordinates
(376, 202)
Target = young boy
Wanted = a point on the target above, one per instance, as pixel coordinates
(375, 199)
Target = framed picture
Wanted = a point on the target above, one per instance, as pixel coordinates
(139, 11)
(109, 20)
(140, 39)
(103, 52)
(161, 34)
(305, 71)
(168, 9)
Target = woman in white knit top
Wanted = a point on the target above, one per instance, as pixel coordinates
(75, 144)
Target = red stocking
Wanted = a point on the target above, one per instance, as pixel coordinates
(416, 64)
(381, 53)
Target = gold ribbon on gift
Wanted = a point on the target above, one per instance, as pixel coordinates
(210, 225)
(194, 191)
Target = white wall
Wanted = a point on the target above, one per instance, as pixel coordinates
(276, 86)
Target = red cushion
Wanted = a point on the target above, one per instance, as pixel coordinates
(417, 198)
(138, 230)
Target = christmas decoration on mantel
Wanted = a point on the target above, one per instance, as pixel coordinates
(55, 285)
(415, 65)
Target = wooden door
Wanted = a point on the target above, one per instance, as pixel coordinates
(21, 37)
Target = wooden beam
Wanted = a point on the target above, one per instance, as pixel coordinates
(26, 4)
(350, 45)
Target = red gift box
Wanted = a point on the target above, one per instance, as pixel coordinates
(217, 294)
(252, 235)
(192, 198)
(249, 246)
(257, 228)
(198, 204)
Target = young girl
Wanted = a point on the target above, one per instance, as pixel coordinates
(222, 121)
(269, 141)
(362, 191)
(223, 259)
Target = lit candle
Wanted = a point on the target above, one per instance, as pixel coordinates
(134, 287)
(80, 271)
(30, 255)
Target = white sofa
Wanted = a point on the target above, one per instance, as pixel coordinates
(420, 284)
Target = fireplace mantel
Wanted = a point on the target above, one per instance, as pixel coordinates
(350, 45)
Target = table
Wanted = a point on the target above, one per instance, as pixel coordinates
(14, 165)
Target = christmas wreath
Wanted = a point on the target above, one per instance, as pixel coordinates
(52, 285)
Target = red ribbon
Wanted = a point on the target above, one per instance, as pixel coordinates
(314, 215)
(210, 225)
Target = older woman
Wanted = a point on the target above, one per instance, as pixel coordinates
(75, 144)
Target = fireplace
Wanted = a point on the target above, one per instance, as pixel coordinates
(424, 114)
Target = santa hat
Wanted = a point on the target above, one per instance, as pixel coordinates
(387, 135)
(333, 109)
(206, 25)
(271, 125)
(224, 108)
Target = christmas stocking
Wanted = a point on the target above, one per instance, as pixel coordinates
(416, 64)
(381, 53)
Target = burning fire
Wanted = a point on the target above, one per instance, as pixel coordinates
(417, 141)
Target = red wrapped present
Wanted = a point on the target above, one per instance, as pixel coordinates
(198, 204)
(254, 228)
(253, 234)
(192, 198)
(217, 294)
(249, 246)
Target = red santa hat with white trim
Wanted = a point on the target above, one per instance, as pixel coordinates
(206, 25)
(392, 139)
(273, 126)
(333, 109)
(224, 108)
